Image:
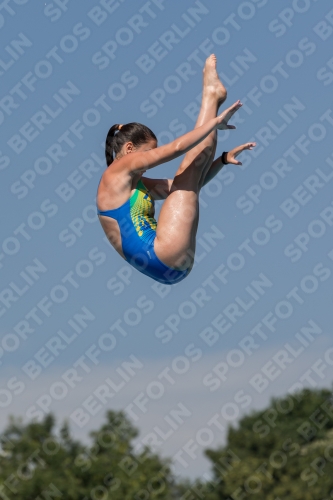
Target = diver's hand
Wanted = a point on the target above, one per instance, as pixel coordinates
(231, 156)
(225, 116)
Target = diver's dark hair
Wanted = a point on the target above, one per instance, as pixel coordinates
(134, 132)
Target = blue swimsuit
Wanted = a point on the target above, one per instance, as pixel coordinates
(138, 231)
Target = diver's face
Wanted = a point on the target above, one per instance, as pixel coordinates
(147, 146)
(129, 147)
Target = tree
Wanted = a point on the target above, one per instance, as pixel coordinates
(36, 463)
(284, 451)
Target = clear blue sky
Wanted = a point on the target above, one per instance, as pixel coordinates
(264, 268)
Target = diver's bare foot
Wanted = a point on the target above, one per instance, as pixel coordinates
(212, 85)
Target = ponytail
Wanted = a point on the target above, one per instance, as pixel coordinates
(109, 144)
(131, 132)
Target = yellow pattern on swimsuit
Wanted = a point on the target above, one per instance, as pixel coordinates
(142, 210)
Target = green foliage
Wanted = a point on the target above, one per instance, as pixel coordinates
(36, 463)
(282, 452)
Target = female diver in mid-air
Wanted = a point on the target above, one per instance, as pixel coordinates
(125, 200)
